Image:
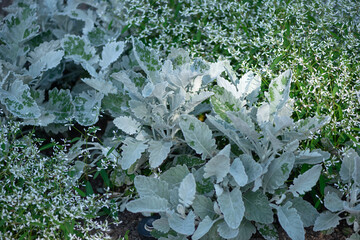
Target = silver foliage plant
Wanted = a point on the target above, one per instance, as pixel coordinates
(241, 187)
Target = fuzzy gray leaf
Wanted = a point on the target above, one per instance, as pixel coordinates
(110, 53)
(151, 204)
(162, 224)
(306, 211)
(219, 165)
(198, 135)
(148, 186)
(333, 202)
(183, 226)
(226, 232)
(87, 107)
(278, 172)
(291, 222)
(350, 167)
(237, 170)
(131, 151)
(159, 151)
(175, 175)
(326, 220)
(304, 182)
(203, 207)
(187, 190)
(232, 206)
(314, 157)
(257, 207)
(203, 227)
(252, 168)
(246, 230)
(127, 124)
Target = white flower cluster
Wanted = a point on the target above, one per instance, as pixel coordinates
(318, 40)
(37, 196)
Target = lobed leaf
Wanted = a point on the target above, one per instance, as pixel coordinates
(187, 190)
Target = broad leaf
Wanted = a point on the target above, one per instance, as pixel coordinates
(159, 151)
(252, 168)
(151, 204)
(291, 222)
(232, 206)
(187, 190)
(175, 175)
(127, 124)
(326, 220)
(203, 206)
(198, 135)
(246, 230)
(237, 170)
(314, 157)
(203, 227)
(306, 211)
(103, 86)
(162, 224)
(219, 165)
(257, 207)
(110, 53)
(183, 226)
(131, 151)
(304, 182)
(18, 101)
(333, 202)
(278, 172)
(149, 186)
(79, 49)
(350, 166)
(60, 104)
(87, 107)
(226, 232)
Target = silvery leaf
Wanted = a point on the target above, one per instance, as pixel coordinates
(183, 226)
(246, 230)
(333, 202)
(87, 107)
(149, 186)
(304, 182)
(110, 53)
(232, 206)
(203, 206)
(291, 222)
(60, 104)
(326, 220)
(127, 124)
(257, 207)
(175, 175)
(350, 166)
(162, 224)
(187, 190)
(226, 232)
(237, 170)
(101, 85)
(252, 168)
(219, 165)
(159, 151)
(306, 211)
(198, 135)
(268, 231)
(203, 227)
(151, 204)
(131, 151)
(314, 157)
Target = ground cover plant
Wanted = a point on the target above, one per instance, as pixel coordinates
(221, 139)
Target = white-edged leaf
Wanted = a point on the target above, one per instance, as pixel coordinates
(249, 86)
(18, 101)
(198, 135)
(87, 107)
(306, 211)
(131, 151)
(326, 220)
(304, 182)
(149, 186)
(183, 226)
(79, 49)
(278, 172)
(187, 190)
(333, 202)
(226, 232)
(127, 124)
(237, 170)
(159, 151)
(257, 207)
(60, 104)
(203, 227)
(232, 206)
(291, 222)
(110, 53)
(219, 165)
(101, 85)
(151, 204)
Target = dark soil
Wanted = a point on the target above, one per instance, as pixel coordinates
(131, 220)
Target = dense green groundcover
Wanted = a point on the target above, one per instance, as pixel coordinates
(223, 117)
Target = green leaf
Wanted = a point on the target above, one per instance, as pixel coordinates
(232, 206)
(89, 189)
(81, 193)
(79, 49)
(18, 101)
(198, 135)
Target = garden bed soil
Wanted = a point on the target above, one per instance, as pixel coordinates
(131, 220)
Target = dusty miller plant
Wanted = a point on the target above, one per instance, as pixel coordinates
(244, 185)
